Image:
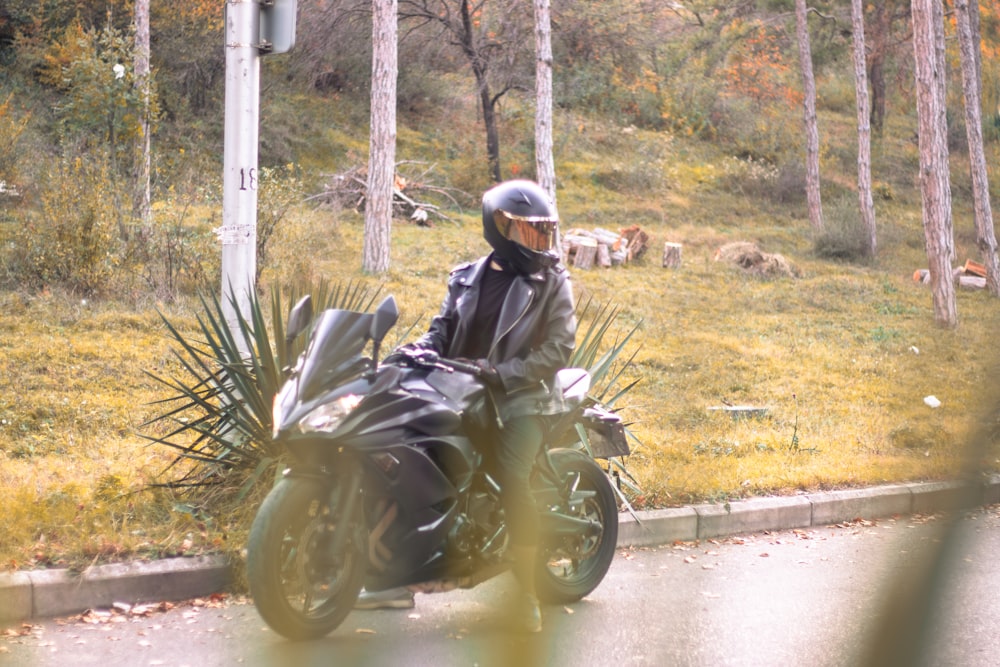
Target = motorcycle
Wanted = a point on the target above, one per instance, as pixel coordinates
(390, 483)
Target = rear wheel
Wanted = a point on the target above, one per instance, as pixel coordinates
(572, 567)
(300, 588)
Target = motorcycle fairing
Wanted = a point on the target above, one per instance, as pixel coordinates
(411, 505)
(395, 409)
(335, 346)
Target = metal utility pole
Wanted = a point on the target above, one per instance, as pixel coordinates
(238, 233)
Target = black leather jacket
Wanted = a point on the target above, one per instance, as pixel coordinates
(535, 335)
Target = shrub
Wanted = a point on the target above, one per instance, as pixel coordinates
(843, 237)
(12, 126)
(174, 256)
(70, 235)
(749, 176)
(280, 189)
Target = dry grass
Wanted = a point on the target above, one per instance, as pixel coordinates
(841, 356)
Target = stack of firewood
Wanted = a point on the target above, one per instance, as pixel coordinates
(972, 275)
(585, 249)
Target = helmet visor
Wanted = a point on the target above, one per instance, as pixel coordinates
(538, 234)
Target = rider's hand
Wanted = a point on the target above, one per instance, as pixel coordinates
(403, 352)
(488, 374)
(425, 356)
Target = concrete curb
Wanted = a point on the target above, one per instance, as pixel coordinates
(700, 522)
(48, 593)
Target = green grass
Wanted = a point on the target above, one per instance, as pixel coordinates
(842, 355)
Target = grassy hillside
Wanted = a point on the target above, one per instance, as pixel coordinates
(842, 354)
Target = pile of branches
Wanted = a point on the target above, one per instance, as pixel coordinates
(349, 189)
(754, 261)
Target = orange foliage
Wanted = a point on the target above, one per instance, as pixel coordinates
(202, 16)
(758, 71)
(61, 54)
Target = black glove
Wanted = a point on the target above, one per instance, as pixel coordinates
(404, 352)
(488, 374)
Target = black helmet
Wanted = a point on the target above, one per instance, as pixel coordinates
(520, 222)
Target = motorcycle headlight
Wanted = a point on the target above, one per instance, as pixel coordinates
(327, 417)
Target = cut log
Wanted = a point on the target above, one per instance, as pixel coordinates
(635, 240)
(586, 253)
(975, 268)
(671, 255)
(603, 255)
(972, 282)
(606, 236)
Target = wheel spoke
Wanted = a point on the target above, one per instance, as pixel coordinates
(307, 602)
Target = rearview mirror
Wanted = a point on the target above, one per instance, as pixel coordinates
(299, 318)
(385, 316)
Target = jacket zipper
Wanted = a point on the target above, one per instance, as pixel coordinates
(496, 341)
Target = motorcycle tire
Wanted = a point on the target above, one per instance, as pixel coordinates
(300, 589)
(570, 571)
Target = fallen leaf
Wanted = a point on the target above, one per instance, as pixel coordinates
(690, 559)
(365, 631)
(765, 555)
(568, 610)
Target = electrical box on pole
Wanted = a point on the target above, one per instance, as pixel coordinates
(277, 26)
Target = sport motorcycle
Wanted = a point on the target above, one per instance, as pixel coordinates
(390, 481)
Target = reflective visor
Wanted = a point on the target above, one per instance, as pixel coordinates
(538, 234)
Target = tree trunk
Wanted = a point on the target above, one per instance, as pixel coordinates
(544, 162)
(972, 87)
(490, 122)
(141, 205)
(865, 204)
(481, 71)
(880, 47)
(812, 131)
(935, 186)
(671, 255)
(382, 142)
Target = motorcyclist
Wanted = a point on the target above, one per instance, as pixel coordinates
(512, 313)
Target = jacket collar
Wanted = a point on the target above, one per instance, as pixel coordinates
(477, 268)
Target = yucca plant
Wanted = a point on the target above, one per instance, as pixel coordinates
(607, 369)
(219, 416)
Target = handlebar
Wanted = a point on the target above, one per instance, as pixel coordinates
(431, 359)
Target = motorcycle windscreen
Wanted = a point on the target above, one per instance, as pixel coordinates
(337, 340)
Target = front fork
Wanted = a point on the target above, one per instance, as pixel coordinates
(345, 501)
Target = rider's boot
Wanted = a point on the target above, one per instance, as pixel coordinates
(528, 615)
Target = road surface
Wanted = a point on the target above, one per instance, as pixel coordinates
(814, 597)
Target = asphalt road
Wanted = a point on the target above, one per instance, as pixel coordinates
(812, 597)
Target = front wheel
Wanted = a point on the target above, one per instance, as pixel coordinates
(572, 567)
(300, 588)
